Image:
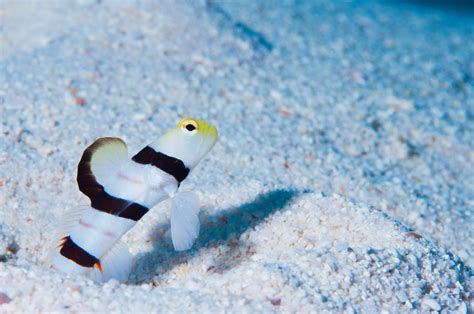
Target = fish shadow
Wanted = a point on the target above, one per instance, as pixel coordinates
(224, 228)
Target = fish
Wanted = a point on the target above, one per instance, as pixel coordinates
(122, 190)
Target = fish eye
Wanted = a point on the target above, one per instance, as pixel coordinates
(189, 126)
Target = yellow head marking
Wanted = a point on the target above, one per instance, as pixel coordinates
(193, 126)
(189, 141)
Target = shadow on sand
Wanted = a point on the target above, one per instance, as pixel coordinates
(223, 228)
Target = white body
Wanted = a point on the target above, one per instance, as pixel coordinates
(143, 184)
(97, 232)
(116, 185)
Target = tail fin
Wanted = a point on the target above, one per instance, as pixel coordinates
(115, 263)
(54, 259)
(68, 221)
(184, 220)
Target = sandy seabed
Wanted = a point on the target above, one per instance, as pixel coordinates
(342, 179)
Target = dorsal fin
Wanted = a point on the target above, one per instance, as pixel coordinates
(99, 170)
(98, 162)
(104, 155)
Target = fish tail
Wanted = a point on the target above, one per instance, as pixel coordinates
(89, 244)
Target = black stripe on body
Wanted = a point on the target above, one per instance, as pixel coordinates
(170, 165)
(100, 199)
(77, 254)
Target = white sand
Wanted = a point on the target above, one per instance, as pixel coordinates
(342, 179)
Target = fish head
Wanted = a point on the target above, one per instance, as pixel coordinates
(189, 141)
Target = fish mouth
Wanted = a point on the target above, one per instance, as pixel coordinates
(212, 132)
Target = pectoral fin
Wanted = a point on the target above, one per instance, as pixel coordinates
(184, 220)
